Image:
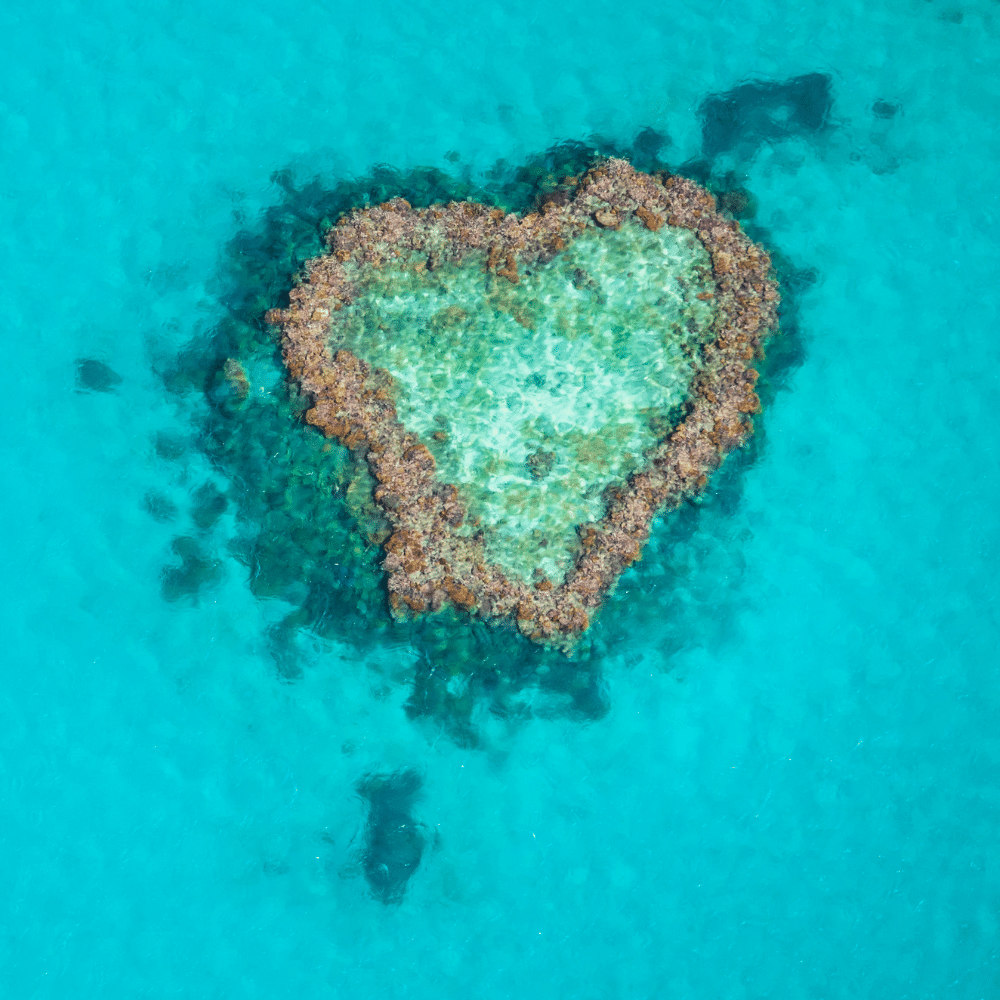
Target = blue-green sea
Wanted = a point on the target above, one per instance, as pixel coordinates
(779, 775)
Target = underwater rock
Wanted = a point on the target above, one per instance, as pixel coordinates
(540, 463)
(394, 841)
(159, 507)
(197, 570)
(237, 378)
(95, 376)
(447, 347)
(886, 109)
(649, 142)
(209, 505)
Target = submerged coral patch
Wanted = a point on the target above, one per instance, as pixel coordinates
(95, 376)
(529, 391)
(744, 118)
(394, 840)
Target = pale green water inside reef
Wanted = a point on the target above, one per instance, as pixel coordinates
(582, 364)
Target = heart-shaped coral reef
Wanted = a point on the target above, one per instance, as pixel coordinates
(529, 392)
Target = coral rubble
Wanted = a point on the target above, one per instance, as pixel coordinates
(471, 358)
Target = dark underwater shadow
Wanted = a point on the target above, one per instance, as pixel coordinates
(394, 840)
(306, 531)
(743, 119)
(93, 375)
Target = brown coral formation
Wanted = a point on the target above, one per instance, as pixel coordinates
(237, 378)
(427, 560)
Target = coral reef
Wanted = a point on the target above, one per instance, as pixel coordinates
(434, 553)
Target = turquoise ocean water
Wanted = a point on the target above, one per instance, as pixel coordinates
(792, 786)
